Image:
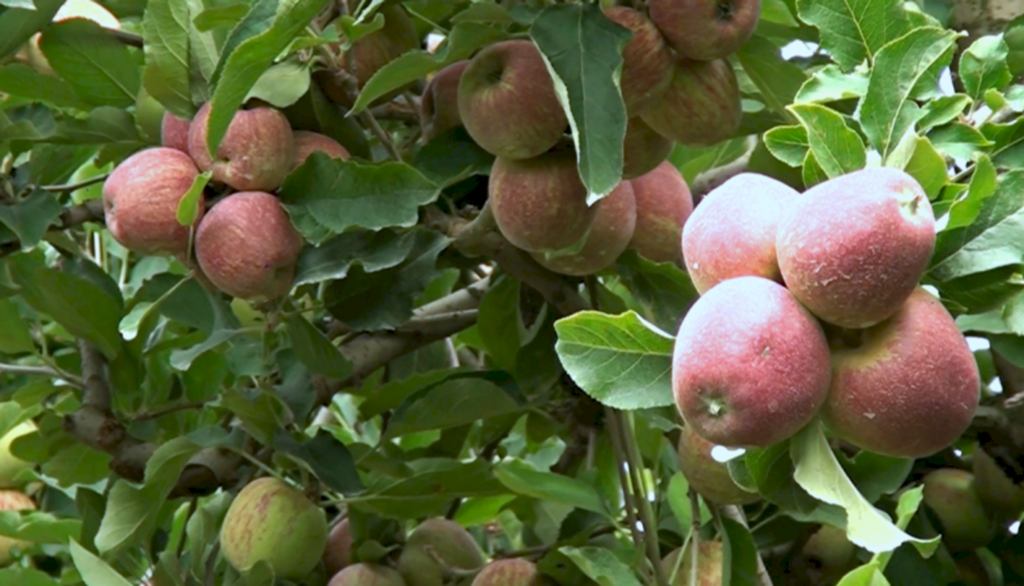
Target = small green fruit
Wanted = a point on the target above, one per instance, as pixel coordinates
(437, 540)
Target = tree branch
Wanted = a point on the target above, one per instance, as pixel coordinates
(44, 371)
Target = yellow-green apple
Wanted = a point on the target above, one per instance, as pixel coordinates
(643, 149)
(510, 572)
(732, 232)
(174, 132)
(247, 246)
(709, 477)
(907, 387)
(11, 465)
(608, 237)
(256, 153)
(439, 105)
(965, 524)
(663, 205)
(750, 366)
(540, 204)
(701, 106)
(141, 197)
(853, 248)
(13, 500)
(647, 62)
(710, 564)
(507, 101)
(433, 541)
(825, 558)
(363, 574)
(338, 551)
(705, 29)
(307, 143)
(269, 521)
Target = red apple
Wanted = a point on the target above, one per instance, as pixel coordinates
(709, 477)
(436, 540)
(307, 143)
(338, 552)
(663, 205)
(710, 564)
(256, 153)
(174, 132)
(439, 105)
(643, 149)
(367, 575)
(647, 62)
(702, 105)
(705, 29)
(509, 572)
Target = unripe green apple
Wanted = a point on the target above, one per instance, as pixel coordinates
(256, 153)
(433, 540)
(709, 477)
(643, 149)
(710, 559)
(270, 521)
(338, 551)
(247, 246)
(13, 500)
(701, 106)
(965, 524)
(540, 204)
(11, 465)
(705, 29)
(510, 572)
(732, 232)
(853, 248)
(647, 62)
(907, 387)
(174, 132)
(141, 198)
(439, 105)
(367, 575)
(826, 556)
(750, 365)
(307, 143)
(663, 205)
(608, 237)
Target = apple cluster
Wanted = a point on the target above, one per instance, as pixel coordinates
(811, 306)
(245, 244)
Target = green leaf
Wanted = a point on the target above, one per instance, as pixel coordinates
(789, 144)
(984, 292)
(983, 66)
(663, 290)
(621, 361)
(328, 196)
(866, 575)
(15, 337)
(854, 30)
(188, 207)
(526, 480)
(452, 156)
(31, 217)
(582, 49)
(830, 84)
(21, 81)
(922, 162)
(888, 110)
(39, 527)
(94, 571)
(282, 85)
(453, 403)
(967, 207)
(221, 16)
(372, 250)
(778, 80)
(942, 110)
(837, 148)
(315, 351)
(740, 559)
(100, 68)
(434, 483)
(327, 457)
(1013, 35)
(17, 25)
(499, 323)
(959, 140)
(26, 577)
(167, 76)
(601, 566)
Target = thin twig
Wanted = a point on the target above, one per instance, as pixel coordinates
(647, 517)
(75, 186)
(44, 371)
(694, 537)
(624, 479)
(170, 409)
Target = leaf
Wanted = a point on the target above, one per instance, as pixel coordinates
(17, 25)
(15, 337)
(372, 250)
(282, 85)
(778, 80)
(167, 75)
(523, 479)
(434, 483)
(854, 30)
(924, 164)
(941, 110)
(39, 527)
(830, 84)
(740, 554)
(867, 575)
(498, 323)
(582, 49)
(21, 81)
(315, 351)
(329, 196)
(621, 361)
(221, 16)
(601, 566)
(26, 577)
(452, 403)
(99, 67)
(983, 66)
(887, 110)
(452, 156)
(959, 140)
(789, 144)
(31, 217)
(327, 457)
(837, 149)
(188, 207)
(664, 290)
(967, 207)
(819, 473)
(93, 570)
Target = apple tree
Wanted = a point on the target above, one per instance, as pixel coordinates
(511, 292)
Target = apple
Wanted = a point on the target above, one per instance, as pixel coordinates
(439, 105)
(338, 551)
(853, 248)
(705, 29)
(732, 232)
(608, 237)
(826, 556)
(702, 105)
(907, 387)
(11, 465)
(710, 564)
(509, 572)
(951, 495)
(507, 101)
(247, 247)
(256, 153)
(1001, 496)
(307, 143)
(13, 500)
(643, 149)
(647, 62)
(174, 132)
(141, 197)
(437, 539)
(709, 477)
(83, 9)
(663, 205)
(272, 522)
(367, 575)
(750, 366)
(540, 204)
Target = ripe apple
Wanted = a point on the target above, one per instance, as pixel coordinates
(272, 522)
(450, 543)
(701, 106)
(647, 62)
(141, 197)
(965, 524)
(643, 149)
(709, 477)
(367, 575)
(439, 105)
(307, 143)
(11, 465)
(247, 247)
(13, 500)
(705, 29)
(608, 237)
(710, 563)
(732, 232)
(507, 101)
(256, 153)
(540, 204)
(663, 205)
(853, 248)
(750, 366)
(907, 387)
(338, 551)
(509, 572)
(174, 132)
